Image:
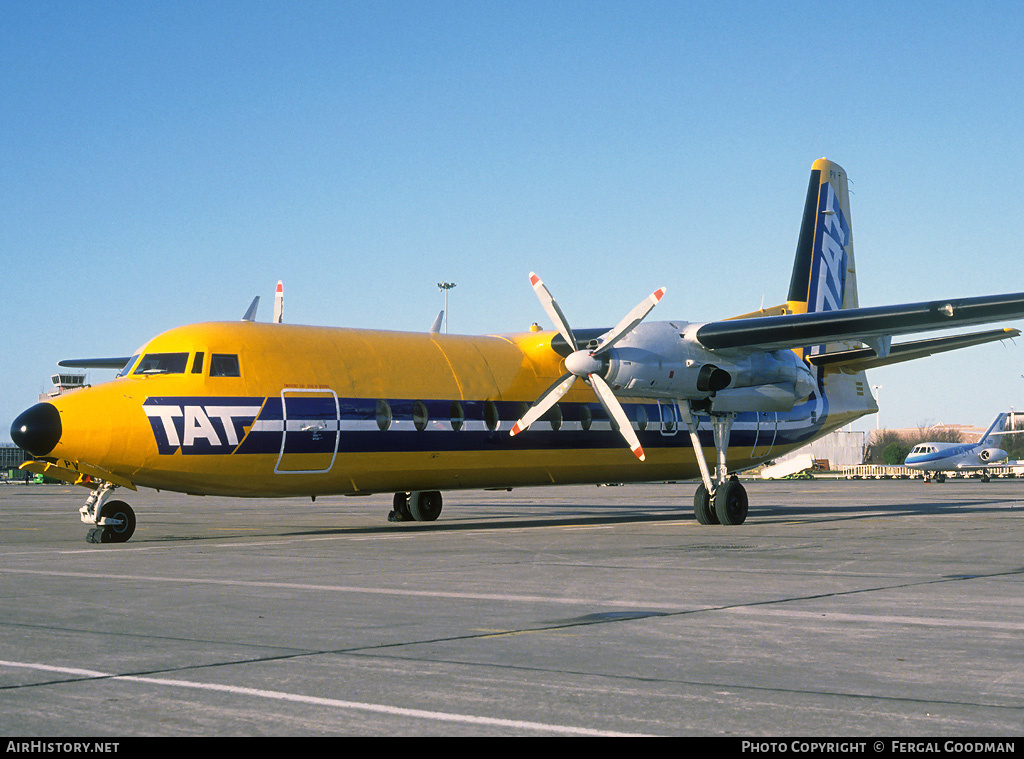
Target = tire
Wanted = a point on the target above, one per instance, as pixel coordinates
(119, 533)
(400, 512)
(731, 503)
(702, 508)
(425, 505)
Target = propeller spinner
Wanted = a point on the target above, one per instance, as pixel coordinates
(587, 364)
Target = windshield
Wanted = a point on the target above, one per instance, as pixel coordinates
(128, 367)
(162, 363)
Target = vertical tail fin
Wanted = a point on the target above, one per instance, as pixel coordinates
(998, 426)
(824, 277)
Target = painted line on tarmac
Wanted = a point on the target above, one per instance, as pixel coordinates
(887, 619)
(374, 590)
(335, 703)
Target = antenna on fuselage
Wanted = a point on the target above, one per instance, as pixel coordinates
(279, 303)
(250, 313)
(436, 326)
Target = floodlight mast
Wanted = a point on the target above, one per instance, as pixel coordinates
(445, 287)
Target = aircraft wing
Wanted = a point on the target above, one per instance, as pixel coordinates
(869, 325)
(865, 358)
(96, 363)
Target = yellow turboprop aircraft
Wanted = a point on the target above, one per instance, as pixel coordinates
(249, 409)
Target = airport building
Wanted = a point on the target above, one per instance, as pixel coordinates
(837, 450)
(11, 457)
(64, 383)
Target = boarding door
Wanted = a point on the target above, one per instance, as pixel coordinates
(310, 440)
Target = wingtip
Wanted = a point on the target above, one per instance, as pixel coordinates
(639, 453)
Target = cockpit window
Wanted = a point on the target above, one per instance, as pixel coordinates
(128, 367)
(224, 365)
(162, 363)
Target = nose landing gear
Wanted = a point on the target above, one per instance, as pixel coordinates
(113, 521)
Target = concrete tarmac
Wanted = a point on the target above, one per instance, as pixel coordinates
(892, 608)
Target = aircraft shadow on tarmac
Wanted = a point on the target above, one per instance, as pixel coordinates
(868, 511)
(475, 518)
(427, 528)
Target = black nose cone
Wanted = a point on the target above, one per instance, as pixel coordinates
(38, 429)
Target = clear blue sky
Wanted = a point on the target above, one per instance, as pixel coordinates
(164, 162)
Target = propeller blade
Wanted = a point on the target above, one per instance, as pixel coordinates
(616, 412)
(630, 320)
(552, 309)
(550, 397)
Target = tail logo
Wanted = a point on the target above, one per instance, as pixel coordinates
(828, 275)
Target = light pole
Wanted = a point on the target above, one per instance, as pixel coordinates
(878, 414)
(445, 287)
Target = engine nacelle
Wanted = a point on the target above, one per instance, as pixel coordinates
(635, 372)
(758, 381)
(991, 455)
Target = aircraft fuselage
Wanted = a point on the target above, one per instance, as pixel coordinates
(242, 408)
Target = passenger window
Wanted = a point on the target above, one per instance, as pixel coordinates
(419, 415)
(458, 416)
(197, 364)
(383, 414)
(224, 365)
(586, 418)
(162, 363)
(641, 418)
(554, 417)
(491, 415)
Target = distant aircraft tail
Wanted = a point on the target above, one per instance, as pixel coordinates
(992, 434)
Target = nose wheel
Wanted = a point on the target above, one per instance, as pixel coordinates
(112, 521)
(117, 524)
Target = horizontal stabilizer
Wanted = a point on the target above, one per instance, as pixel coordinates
(96, 363)
(865, 358)
(863, 324)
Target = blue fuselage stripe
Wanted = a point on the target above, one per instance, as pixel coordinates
(225, 426)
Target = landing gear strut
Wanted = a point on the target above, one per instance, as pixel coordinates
(724, 500)
(113, 521)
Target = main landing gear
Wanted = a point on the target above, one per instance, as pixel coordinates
(724, 500)
(113, 521)
(417, 506)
